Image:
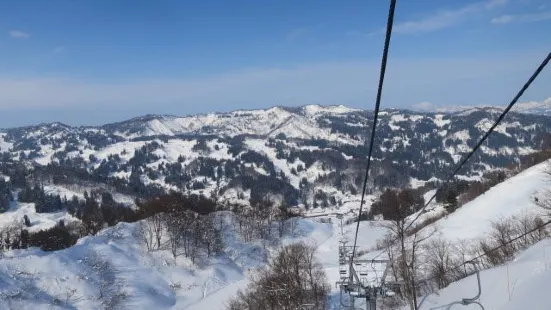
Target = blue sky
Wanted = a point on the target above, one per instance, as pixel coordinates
(92, 62)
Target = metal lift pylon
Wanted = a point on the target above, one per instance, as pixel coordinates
(356, 278)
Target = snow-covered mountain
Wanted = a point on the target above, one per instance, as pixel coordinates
(115, 270)
(529, 107)
(311, 154)
(293, 122)
(534, 107)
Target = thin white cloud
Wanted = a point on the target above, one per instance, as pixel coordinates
(425, 106)
(494, 3)
(519, 107)
(58, 50)
(443, 80)
(295, 34)
(522, 18)
(18, 34)
(445, 18)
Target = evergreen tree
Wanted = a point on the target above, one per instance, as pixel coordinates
(450, 202)
(27, 221)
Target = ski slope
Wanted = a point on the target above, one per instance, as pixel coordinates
(14, 217)
(522, 284)
(114, 268)
(512, 197)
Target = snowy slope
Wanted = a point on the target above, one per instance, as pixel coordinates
(267, 122)
(317, 234)
(114, 266)
(39, 221)
(529, 107)
(522, 284)
(113, 270)
(528, 274)
(90, 274)
(514, 196)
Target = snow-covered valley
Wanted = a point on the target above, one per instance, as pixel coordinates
(113, 270)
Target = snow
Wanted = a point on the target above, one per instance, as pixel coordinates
(269, 122)
(154, 280)
(521, 284)
(511, 197)
(117, 148)
(334, 109)
(4, 145)
(485, 124)
(439, 120)
(63, 192)
(122, 174)
(47, 152)
(89, 274)
(39, 221)
(232, 195)
(68, 191)
(416, 183)
(526, 150)
(397, 118)
(116, 261)
(470, 178)
(393, 127)
(258, 145)
(533, 106)
(462, 135)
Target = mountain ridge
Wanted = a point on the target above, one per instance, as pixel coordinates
(310, 151)
(530, 107)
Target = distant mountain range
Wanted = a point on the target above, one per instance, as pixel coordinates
(313, 154)
(530, 107)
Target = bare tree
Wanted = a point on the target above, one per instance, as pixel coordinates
(396, 207)
(174, 227)
(544, 202)
(146, 234)
(510, 235)
(286, 219)
(211, 236)
(292, 279)
(503, 231)
(440, 257)
(156, 221)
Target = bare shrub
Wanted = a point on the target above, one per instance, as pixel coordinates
(146, 234)
(439, 258)
(510, 235)
(496, 247)
(396, 206)
(155, 222)
(530, 227)
(544, 202)
(292, 279)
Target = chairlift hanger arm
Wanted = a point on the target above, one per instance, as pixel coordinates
(467, 301)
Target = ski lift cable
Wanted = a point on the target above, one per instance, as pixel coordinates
(477, 146)
(475, 259)
(484, 137)
(390, 22)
